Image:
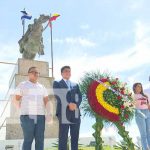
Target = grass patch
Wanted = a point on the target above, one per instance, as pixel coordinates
(86, 148)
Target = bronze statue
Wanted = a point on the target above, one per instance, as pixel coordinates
(31, 42)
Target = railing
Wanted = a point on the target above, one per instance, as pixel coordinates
(7, 63)
(2, 125)
(5, 99)
(5, 104)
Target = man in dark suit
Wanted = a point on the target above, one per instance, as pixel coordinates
(68, 98)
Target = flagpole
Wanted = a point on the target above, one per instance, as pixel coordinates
(51, 32)
(23, 24)
(52, 61)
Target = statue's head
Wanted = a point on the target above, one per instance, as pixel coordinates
(43, 18)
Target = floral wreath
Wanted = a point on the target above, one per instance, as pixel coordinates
(107, 100)
(110, 99)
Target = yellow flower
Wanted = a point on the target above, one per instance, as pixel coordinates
(99, 94)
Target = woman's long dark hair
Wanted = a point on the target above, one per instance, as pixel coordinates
(135, 85)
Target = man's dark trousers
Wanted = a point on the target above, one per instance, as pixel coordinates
(63, 135)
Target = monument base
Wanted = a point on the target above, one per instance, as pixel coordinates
(13, 128)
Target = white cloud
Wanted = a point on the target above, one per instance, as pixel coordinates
(136, 56)
(9, 52)
(59, 41)
(130, 59)
(147, 86)
(142, 30)
(85, 26)
(136, 5)
(76, 41)
(115, 35)
(134, 78)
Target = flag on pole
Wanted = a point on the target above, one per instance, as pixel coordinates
(52, 18)
(25, 15)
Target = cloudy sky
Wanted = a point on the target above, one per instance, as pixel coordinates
(106, 35)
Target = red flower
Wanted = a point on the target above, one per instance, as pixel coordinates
(122, 92)
(119, 97)
(122, 107)
(114, 82)
(126, 116)
(104, 80)
(97, 107)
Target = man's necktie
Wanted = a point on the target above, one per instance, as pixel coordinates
(68, 84)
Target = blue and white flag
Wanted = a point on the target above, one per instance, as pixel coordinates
(25, 15)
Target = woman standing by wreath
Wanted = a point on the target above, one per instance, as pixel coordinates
(142, 115)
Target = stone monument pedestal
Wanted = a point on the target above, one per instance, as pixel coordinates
(13, 128)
